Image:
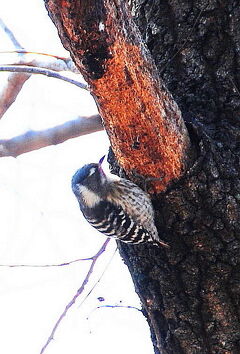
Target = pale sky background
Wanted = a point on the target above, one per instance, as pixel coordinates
(42, 224)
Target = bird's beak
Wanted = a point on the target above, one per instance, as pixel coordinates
(101, 160)
(100, 165)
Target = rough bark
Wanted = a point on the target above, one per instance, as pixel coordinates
(144, 124)
(191, 292)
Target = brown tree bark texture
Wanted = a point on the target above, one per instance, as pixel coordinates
(191, 292)
(194, 291)
(145, 127)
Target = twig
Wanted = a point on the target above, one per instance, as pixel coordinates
(34, 140)
(45, 265)
(23, 51)
(38, 60)
(15, 82)
(99, 279)
(118, 306)
(11, 90)
(51, 265)
(78, 293)
(41, 71)
(10, 34)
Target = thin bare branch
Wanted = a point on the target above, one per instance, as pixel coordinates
(34, 140)
(45, 265)
(23, 51)
(99, 279)
(16, 81)
(118, 306)
(11, 90)
(10, 34)
(41, 71)
(78, 293)
(39, 60)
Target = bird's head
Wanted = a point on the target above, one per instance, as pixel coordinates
(88, 183)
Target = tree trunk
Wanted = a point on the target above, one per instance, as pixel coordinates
(143, 122)
(190, 293)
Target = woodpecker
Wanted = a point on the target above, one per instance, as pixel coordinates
(115, 206)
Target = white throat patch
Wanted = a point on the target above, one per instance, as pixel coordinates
(89, 197)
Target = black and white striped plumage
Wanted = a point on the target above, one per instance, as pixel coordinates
(115, 206)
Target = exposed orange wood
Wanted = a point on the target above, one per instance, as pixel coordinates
(143, 122)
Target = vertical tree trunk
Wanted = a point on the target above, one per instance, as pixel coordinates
(191, 292)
